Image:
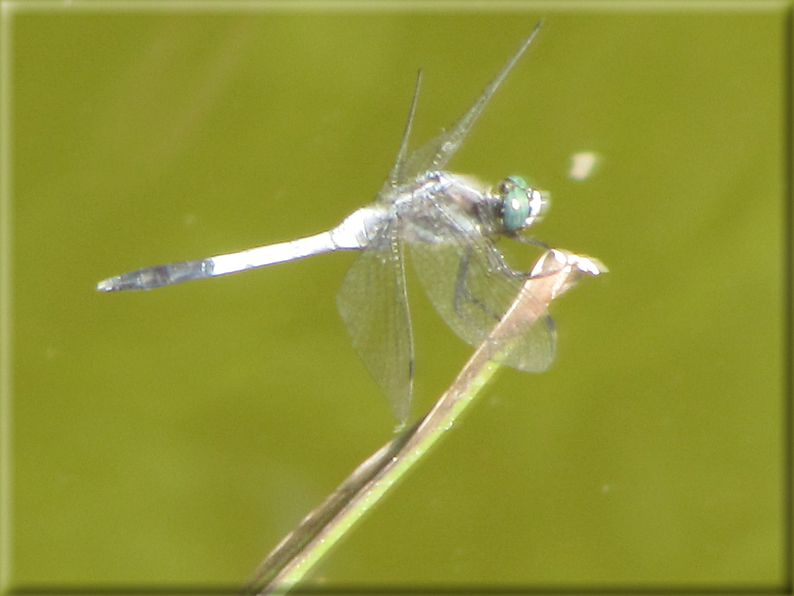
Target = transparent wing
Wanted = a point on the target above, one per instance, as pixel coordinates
(471, 287)
(435, 154)
(396, 175)
(372, 302)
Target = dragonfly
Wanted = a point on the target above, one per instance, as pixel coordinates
(448, 222)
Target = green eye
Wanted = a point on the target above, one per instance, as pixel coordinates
(521, 204)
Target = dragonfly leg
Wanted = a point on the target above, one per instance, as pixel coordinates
(532, 241)
(462, 291)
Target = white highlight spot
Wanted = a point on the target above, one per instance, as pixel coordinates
(583, 165)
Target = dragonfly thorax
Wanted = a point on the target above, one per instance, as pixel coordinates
(520, 204)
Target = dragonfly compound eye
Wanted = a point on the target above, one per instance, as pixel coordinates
(521, 204)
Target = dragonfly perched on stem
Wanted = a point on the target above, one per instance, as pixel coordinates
(450, 222)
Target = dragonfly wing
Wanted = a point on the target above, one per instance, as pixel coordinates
(396, 175)
(373, 305)
(471, 287)
(435, 154)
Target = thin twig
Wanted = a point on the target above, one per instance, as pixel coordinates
(554, 273)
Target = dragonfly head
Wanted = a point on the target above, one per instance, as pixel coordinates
(521, 204)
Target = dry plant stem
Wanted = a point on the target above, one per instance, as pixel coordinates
(300, 550)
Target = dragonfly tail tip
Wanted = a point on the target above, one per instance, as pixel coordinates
(106, 285)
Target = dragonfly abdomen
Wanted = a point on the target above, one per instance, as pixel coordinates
(157, 276)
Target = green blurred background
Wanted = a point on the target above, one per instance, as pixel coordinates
(172, 438)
